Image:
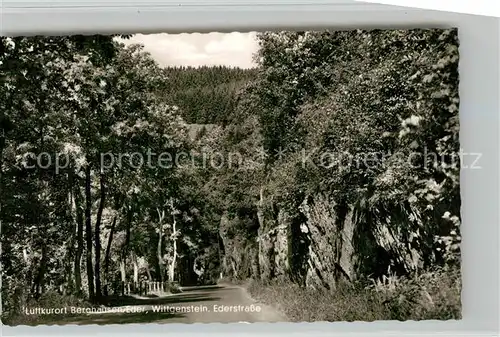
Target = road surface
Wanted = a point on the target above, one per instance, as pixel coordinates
(209, 304)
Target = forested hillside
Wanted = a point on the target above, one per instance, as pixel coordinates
(205, 95)
(321, 174)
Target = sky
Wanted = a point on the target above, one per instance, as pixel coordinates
(196, 49)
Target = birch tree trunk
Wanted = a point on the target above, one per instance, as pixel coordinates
(161, 263)
(171, 273)
(136, 269)
(122, 271)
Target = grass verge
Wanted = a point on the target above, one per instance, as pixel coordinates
(429, 296)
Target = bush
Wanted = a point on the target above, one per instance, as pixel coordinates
(432, 295)
(172, 288)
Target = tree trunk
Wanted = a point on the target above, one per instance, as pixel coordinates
(40, 278)
(124, 252)
(69, 288)
(69, 263)
(107, 257)
(171, 273)
(136, 269)
(161, 216)
(79, 241)
(97, 238)
(88, 230)
(122, 271)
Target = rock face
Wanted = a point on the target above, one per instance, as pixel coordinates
(240, 260)
(312, 248)
(326, 242)
(281, 245)
(273, 246)
(329, 228)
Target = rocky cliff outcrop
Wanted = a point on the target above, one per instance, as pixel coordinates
(324, 243)
(240, 259)
(273, 247)
(329, 228)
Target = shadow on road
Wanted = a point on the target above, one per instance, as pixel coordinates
(214, 287)
(173, 299)
(146, 316)
(122, 318)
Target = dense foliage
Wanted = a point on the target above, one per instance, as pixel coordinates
(77, 217)
(332, 130)
(356, 137)
(368, 119)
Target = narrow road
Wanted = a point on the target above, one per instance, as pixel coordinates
(209, 304)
